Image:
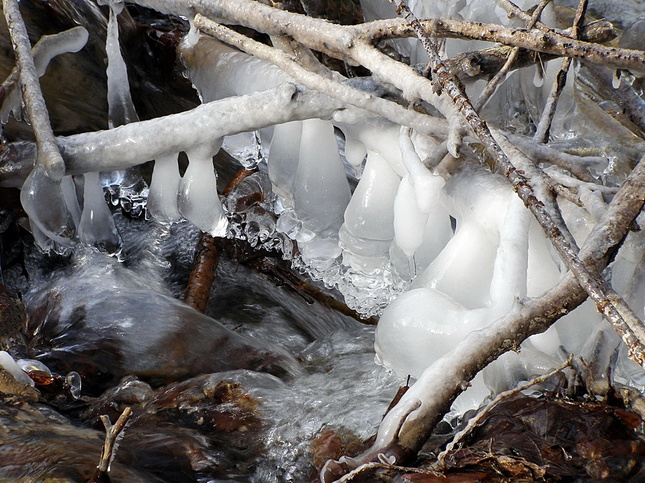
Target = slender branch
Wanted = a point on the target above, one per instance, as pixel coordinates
(544, 125)
(501, 75)
(48, 155)
(473, 422)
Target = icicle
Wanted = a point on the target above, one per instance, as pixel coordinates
(198, 199)
(409, 220)
(321, 191)
(616, 79)
(164, 188)
(368, 230)
(121, 107)
(283, 159)
(97, 226)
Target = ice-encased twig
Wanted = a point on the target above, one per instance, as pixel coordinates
(49, 158)
(47, 47)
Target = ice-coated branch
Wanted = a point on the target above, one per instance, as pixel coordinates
(112, 434)
(403, 432)
(133, 144)
(348, 95)
(49, 157)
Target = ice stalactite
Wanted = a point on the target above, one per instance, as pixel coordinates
(126, 186)
(164, 189)
(198, 200)
(321, 193)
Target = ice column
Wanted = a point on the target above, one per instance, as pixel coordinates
(283, 160)
(198, 199)
(424, 323)
(368, 230)
(164, 188)
(321, 193)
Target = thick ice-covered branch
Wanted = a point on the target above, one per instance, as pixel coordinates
(342, 92)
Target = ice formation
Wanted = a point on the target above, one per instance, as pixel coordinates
(391, 242)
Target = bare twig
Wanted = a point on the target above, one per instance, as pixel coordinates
(501, 75)
(112, 434)
(473, 422)
(49, 157)
(544, 126)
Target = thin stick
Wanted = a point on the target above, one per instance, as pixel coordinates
(112, 434)
(492, 84)
(48, 155)
(473, 422)
(544, 126)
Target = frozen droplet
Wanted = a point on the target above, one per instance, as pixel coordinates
(615, 79)
(289, 224)
(44, 202)
(75, 383)
(538, 76)
(198, 199)
(97, 227)
(29, 365)
(164, 189)
(283, 159)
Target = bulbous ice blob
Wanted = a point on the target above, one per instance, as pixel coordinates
(198, 199)
(283, 159)
(321, 191)
(355, 152)
(44, 201)
(423, 324)
(368, 229)
(97, 227)
(164, 189)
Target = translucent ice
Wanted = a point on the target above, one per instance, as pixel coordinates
(321, 191)
(164, 189)
(368, 229)
(44, 201)
(283, 159)
(97, 226)
(8, 364)
(423, 324)
(198, 199)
